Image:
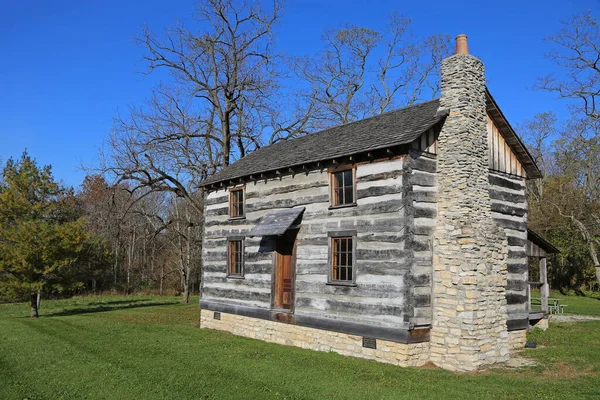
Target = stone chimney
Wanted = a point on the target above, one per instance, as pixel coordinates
(469, 277)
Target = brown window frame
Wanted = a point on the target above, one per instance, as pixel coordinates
(332, 185)
(235, 257)
(335, 264)
(233, 207)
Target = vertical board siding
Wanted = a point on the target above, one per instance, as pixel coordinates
(509, 209)
(383, 295)
(427, 142)
(502, 158)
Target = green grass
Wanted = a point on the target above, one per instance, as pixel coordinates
(151, 348)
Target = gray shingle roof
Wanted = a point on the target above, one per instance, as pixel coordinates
(385, 130)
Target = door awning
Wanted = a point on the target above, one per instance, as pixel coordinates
(277, 222)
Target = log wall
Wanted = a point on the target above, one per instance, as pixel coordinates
(393, 224)
(509, 209)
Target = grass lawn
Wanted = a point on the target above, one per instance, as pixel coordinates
(151, 348)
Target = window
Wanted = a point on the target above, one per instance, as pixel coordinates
(236, 203)
(342, 259)
(342, 187)
(236, 258)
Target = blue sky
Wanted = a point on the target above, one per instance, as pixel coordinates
(69, 66)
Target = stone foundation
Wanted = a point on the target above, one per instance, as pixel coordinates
(406, 355)
(517, 340)
(542, 324)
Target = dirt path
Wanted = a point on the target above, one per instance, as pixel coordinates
(572, 318)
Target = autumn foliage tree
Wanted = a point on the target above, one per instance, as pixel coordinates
(41, 235)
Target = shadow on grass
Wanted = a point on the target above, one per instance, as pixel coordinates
(91, 310)
(101, 303)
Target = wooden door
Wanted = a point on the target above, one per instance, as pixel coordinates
(285, 264)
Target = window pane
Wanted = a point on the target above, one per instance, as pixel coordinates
(348, 195)
(231, 257)
(341, 259)
(236, 257)
(343, 187)
(338, 179)
(347, 177)
(236, 203)
(338, 199)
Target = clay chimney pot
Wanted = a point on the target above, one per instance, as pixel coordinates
(461, 44)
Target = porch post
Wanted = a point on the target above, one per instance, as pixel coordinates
(545, 288)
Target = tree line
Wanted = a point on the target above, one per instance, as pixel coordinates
(56, 242)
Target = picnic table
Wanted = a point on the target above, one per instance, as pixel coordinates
(554, 305)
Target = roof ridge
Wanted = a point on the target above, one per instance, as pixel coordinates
(375, 116)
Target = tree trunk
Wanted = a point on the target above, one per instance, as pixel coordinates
(34, 305)
(226, 139)
(188, 256)
(130, 254)
(162, 277)
(184, 280)
(116, 264)
(186, 295)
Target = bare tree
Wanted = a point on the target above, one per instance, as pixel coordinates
(349, 81)
(338, 76)
(221, 104)
(577, 51)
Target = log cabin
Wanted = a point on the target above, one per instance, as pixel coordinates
(400, 238)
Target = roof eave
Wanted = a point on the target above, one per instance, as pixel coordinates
(541, 242)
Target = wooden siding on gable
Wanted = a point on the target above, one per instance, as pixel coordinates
(502, 157)
(427, 142)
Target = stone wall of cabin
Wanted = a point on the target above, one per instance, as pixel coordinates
(393, 245)
(509, 209)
